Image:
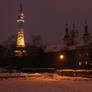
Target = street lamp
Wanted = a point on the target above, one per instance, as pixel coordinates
(61, 56)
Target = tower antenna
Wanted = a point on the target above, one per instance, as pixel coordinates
(21, 5)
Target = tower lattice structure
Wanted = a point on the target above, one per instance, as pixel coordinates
(20, 44)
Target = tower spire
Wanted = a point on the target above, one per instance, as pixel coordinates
(21, 7)
(67, 36)
(21, 14)
(73, 24)
(66, 30)
(86, 26)
(86, 35)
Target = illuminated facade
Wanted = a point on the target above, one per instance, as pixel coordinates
(20, 45)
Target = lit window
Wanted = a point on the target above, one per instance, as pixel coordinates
(80, 63)
(86, 62)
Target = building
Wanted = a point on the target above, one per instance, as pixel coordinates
(78, 53)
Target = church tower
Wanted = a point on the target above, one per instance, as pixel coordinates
(67, 36)
(74, 34)
(20, 44)
(86, 35)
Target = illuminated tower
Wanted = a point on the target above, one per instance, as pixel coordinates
(20, 45)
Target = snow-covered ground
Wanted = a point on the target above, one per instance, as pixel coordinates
(46, 82)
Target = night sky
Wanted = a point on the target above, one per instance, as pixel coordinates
(44, 17)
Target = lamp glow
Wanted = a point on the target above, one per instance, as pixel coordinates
(61, 56)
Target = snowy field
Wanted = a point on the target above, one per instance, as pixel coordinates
(46, 82)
